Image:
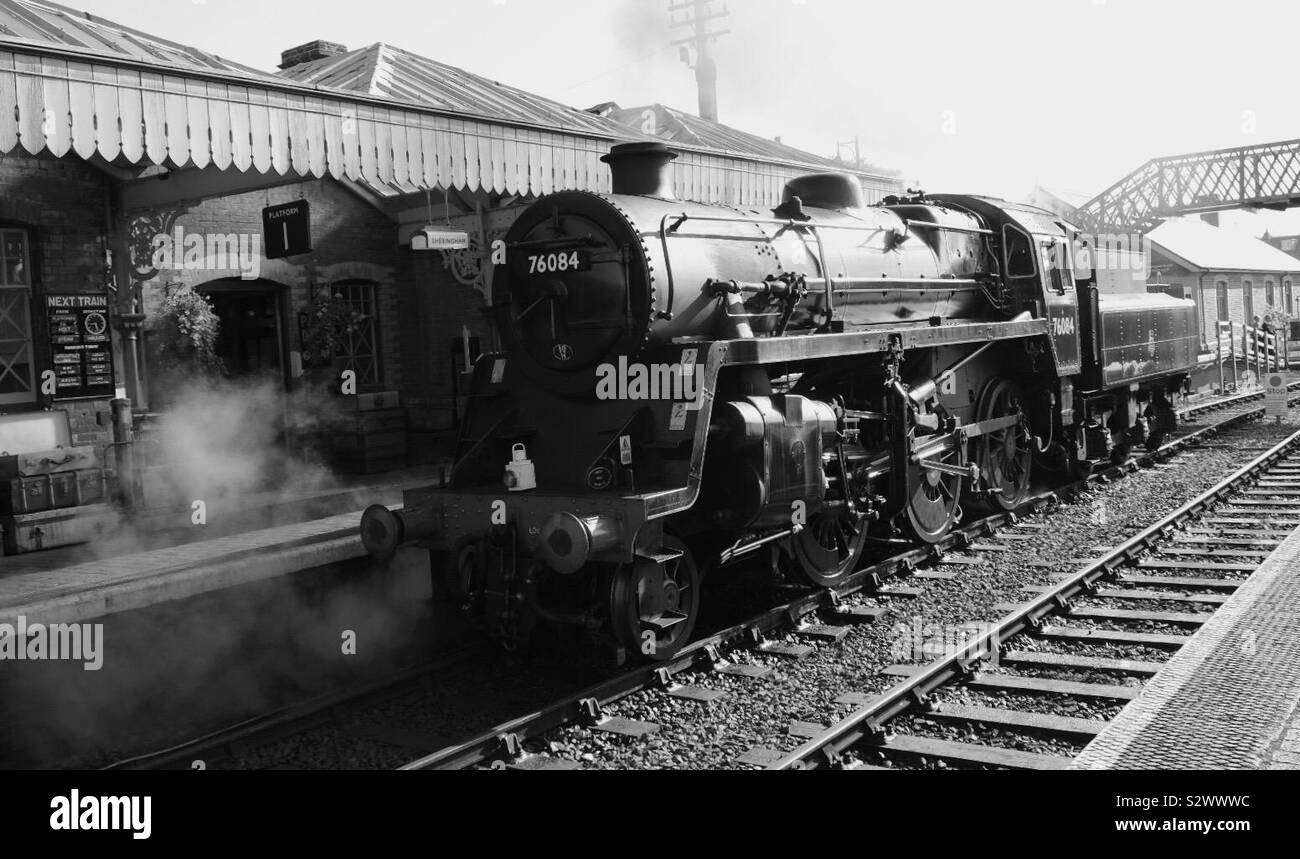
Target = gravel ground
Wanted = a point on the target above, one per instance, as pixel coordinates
(759, 712)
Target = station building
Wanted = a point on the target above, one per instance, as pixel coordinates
(1231, 276)
(115, 145)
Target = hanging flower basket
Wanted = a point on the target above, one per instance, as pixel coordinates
(184, 333)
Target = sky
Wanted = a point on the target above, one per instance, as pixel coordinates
(982, 96)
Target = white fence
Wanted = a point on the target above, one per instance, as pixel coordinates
(1262, 351)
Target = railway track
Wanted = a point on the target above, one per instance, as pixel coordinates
(504, 744)
(1186, 565)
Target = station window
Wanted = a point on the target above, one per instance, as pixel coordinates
(1268, 294)
(1221, 295)
(17, 373)
(360, 350)
(1287, 297)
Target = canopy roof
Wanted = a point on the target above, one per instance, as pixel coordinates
(395, 122)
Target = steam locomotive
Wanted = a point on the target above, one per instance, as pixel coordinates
(685, 386)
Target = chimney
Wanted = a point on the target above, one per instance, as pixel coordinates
(317, 50)
(642, 169)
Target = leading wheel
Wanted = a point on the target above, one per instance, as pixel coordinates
(933, 507)
(654, 604)
(1005, 456)
(831, 545)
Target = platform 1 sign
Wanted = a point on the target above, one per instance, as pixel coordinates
(287, 229)
(1275, 395)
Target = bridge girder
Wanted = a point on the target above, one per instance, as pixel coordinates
(1266, 175)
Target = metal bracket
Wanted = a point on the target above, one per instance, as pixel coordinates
(590, 708)
(511, 746)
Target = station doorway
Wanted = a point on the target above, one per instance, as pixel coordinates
(251, 338)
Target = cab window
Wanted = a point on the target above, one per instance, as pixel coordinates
(1057, 268)
(1020, 252)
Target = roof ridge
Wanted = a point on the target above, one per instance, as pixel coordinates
(383, 68)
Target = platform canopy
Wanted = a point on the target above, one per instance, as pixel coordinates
(392, 121)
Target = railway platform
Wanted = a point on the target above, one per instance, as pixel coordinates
(136, 571)
(1229, 699)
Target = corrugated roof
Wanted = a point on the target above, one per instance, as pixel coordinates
(391, 120)
(1214, 249)
(685, 129)
(37, 22)
(389, 72)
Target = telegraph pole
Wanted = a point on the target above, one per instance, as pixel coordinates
(698, 16)
(856, 143)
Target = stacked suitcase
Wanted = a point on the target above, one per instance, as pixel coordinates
(46, 481)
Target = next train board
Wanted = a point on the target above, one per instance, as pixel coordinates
(81, 346)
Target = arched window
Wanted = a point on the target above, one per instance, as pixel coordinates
(1247, 300)
(1268, 294)
(17, 372)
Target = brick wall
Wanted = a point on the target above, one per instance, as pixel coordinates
(435, 308)
(63, 206)
(351, 241)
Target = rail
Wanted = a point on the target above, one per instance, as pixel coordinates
(868, 721)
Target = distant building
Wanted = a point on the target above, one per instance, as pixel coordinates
(1286, 244)
(1231, 276)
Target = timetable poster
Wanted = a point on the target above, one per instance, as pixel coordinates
(81, 346)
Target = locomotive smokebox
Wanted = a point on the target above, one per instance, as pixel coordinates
(642, 169)
(837, 191)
